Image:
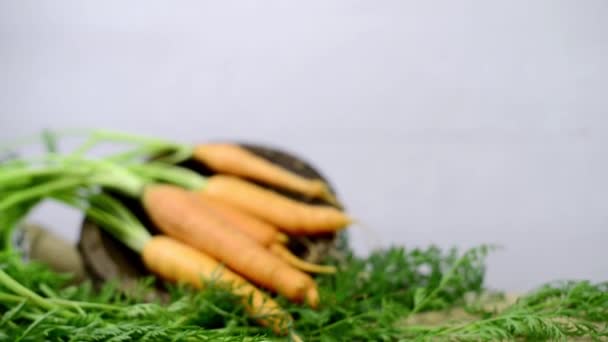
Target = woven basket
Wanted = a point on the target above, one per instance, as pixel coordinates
(105, 258)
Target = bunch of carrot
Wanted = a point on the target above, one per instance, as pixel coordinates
(222, 228)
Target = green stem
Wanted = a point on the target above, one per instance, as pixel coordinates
(179, 155)
(85, 147)
(148, 146)
(35, 323)
(44, 288)
(13, 176)
(10, 219)
(86, 305)
(31, 316)
(132, 138)
(172, 174)
(107, 203)
(52, 297)
(133, 153)
(41, 190)
(7, 297)
(117, 177)
(107, 174)
(132, 233)
(132, 236)
(21, 290)
(50, 141)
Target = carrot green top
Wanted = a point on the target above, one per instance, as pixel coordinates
(77, 181)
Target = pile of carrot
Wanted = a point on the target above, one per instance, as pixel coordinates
(241, 224)
(244, 225)
(224, 227)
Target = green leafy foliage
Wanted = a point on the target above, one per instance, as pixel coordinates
(362, 301)
(554, 312)
(367, 300)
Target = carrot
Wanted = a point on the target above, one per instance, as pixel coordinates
(177, 262)
(289, 215)
(235, 160)
(180, 216)
(262, 232)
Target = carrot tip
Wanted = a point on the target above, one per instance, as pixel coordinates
(331, 199)
(312, 297)
(322, 269)
(326, 195)
(282, 238)
(356, 222)
(298, 263)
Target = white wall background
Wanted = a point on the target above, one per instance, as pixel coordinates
(446, 122)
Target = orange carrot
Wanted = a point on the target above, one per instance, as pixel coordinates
(177, 262)
(181, 216)
(262, 232)
(289, 215)
(235, 160)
